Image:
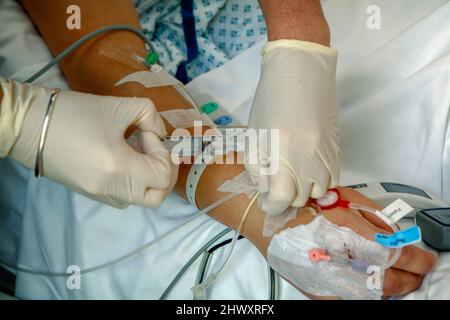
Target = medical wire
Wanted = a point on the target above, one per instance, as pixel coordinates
(130, 254)
(206, 259)
(238, 231)
(213, 276)
(191, 261)
(273, 283)
(83, 40)
(204, 263)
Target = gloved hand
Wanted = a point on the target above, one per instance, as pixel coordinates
(85, 147)
(297, 95)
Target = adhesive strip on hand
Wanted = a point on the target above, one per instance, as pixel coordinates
(156, 78)
(242, 183)
(272, 223)
(239, 184)
(345, 275)
(183, 118)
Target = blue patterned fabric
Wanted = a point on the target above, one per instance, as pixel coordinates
(224, 28)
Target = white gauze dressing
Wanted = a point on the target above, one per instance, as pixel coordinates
(344, 276)
(239, 184)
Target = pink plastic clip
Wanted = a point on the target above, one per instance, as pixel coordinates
(316, 255)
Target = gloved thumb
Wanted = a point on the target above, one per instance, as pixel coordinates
(281, 192)
(254, 169)
(158, 175)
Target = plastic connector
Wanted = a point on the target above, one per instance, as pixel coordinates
(151, 58)
(316, 255)
(400, 239)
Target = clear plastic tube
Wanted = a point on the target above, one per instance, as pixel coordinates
(191, 261)
(200, 289)
(397, 251)
(130, 254)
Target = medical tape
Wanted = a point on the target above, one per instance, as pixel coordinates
(157, 77)
(242, 183)
(239, 184)
(353, 270)
(150, 79)
(121, 56)
(184, 118)
(272, 223)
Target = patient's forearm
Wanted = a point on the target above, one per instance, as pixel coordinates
(296, 19)
(231, 212)
(50, 18)
(97, 65)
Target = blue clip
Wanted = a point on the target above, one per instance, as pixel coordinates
(400, 239)
(223, 120)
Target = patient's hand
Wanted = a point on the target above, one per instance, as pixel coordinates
(407, 274)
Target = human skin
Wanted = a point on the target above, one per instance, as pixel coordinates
(102, 62)
(296, 20)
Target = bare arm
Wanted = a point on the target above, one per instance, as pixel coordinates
(296, 19)
(97, 65)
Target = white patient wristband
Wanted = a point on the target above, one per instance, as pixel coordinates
(192, 181)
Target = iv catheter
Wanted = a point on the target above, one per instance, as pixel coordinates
(332, 199)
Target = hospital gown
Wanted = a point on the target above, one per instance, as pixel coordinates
(223, 28)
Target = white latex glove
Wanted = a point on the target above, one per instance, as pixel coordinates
(297, 95)
(85, 148)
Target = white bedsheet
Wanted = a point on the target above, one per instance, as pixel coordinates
(394, 94)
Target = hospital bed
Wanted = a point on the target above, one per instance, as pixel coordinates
(394, 95)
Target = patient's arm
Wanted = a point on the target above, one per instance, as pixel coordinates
(97, 65)
(296, 19)
(93, 69)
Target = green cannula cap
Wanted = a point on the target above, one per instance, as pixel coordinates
(151, 59)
